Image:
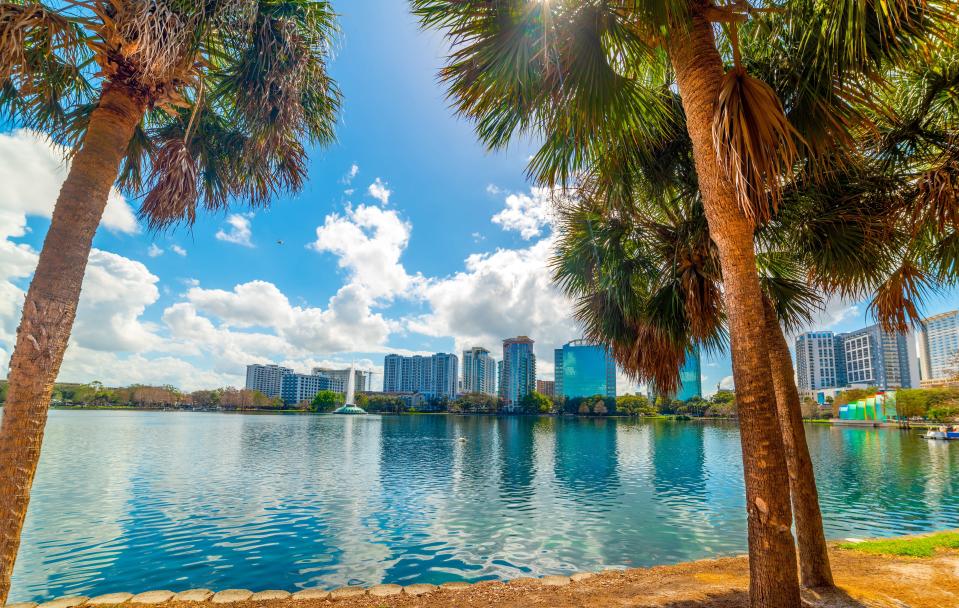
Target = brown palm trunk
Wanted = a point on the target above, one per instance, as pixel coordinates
(51, 306)
(813, 557)
(773, 580)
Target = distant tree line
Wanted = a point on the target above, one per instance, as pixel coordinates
(96, 394)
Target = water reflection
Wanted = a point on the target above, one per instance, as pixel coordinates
(136, 500)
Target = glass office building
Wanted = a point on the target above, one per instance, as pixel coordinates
(585, 369)
(690, 377)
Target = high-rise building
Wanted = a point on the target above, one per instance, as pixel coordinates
(558, 372)
(585, 369)
(434, 376)
(340, 376)
(518, 377)
(874, 357)
(820, 361)
(865, 357)
(546, 387)
(268, 379)
(690, 377)
(297, 388)
(938, 338)
(479, 371)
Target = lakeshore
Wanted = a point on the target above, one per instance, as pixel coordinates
(863, 580)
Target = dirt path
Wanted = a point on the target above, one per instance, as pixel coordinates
(865, 581)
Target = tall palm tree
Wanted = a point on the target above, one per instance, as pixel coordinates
(183, 103)
(576, 73)
(827, 227)
(658, 273)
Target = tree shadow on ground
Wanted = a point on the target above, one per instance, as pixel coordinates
(812, 598)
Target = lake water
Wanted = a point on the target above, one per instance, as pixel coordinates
(128, 501)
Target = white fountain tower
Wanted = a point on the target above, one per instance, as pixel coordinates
(349, 407)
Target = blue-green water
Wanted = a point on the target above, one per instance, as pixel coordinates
(128, 501)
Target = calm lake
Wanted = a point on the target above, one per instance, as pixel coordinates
(131, 501)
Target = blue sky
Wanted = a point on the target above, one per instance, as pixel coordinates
(408, 236)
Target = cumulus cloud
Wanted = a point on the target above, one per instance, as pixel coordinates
(379, 191)
(368, 241)
(32, 169)
(238, 230)
(529, 214)
(116, 290)
(154, 251)
(727, 383)
(500, 294)
(180, 251)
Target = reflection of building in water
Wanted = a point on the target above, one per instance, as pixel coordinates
(517, 458)
(415, 479)
(586, 458)
(679, 460)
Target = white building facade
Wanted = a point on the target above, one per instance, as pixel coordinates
(436, 376)
(938, 344)
(268, 379)
(479, 371)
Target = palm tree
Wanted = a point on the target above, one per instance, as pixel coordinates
(577, 74)
(184, 103)
(825, 227)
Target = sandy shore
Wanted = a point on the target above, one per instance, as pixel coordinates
(864, 581)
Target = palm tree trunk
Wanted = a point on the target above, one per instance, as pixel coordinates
(51, 306)
(773, 581)
(814, 566)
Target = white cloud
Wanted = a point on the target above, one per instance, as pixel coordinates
(154, 251)
(727, 383)
(257, 303)
(528, 214)
(180, 251)
(501, 294)
(115, 292)
(239, 231)
(379, 191)
(369, 241)
(32, 169)
(351, 173)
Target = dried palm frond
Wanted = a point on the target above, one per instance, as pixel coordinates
(938, 196)
(172, 186)
(755, 142)
(898, 300)
(652, 356)
(33, 31)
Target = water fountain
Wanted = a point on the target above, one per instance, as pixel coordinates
(349, 407)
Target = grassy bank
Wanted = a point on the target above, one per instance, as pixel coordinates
(913, 546)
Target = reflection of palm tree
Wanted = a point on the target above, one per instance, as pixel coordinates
(177, 101)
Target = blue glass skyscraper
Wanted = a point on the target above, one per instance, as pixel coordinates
(690, 377)
(585, 369)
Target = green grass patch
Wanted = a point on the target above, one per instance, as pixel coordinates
(916, 546)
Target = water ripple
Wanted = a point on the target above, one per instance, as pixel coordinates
(179, 500)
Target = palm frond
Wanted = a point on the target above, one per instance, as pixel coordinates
(755, 142)
(899, 299)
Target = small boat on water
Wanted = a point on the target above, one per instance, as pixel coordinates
(943, 432)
